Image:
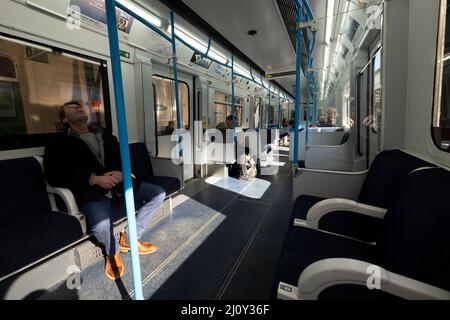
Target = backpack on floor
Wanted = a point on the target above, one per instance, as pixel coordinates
(247, 168)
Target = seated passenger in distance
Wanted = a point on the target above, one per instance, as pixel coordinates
(223, 126)
(87, 161)
(228, 124)
(170, 128)
(284, 130)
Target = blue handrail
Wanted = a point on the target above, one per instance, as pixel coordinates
(209, 46)
(309, 80)
(308, 89)
(124, 151)
(302, 4)
(297, 81)
(162, 34)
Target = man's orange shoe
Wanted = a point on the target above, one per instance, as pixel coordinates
(114, 267)
(144, 248)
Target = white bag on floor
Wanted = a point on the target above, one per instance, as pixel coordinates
(247, 168)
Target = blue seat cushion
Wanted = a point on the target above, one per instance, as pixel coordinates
(415, 237)
(169, 184)
(386, 173)
(341, 222)
(303, 247)
(303, 204)
(33, 237)
(22, 190)
(141, 165)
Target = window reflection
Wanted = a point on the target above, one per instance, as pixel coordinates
(223, 108)
(35, 83)
(165, 105)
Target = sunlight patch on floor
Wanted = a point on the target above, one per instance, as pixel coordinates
(253, 189)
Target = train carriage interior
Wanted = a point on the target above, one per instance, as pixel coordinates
(300, 149)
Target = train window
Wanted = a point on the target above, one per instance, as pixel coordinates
(271, 115)
(268, 119)
(285, 112)
(223, 108)
(165, 105)
(347, 121)
(441, 110)
(376, 93)
(35, 81)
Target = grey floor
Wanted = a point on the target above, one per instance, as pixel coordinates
(222, 241)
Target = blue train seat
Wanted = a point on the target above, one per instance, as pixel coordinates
(414, 242)
(30, 230)
(386, 172)
(141, 166)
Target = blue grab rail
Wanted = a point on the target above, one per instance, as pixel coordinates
(302, 4)
(209, 46)
(124, 151)
(297, 82)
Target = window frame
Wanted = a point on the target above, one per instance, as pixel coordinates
(155, 111)
(376, 51)
(438, 76)
(346, 104)
(27, 141)
(154, 102)
(226, 103)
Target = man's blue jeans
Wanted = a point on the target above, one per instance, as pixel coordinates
(99, 215)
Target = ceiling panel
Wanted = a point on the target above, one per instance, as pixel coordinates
(271, 48)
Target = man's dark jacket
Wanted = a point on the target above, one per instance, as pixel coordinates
(69, 163)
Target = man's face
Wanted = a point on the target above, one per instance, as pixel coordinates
(75, 113)
(229, 123)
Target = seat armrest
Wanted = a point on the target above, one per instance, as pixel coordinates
(69, 200)
(329, 206)
(338, 271)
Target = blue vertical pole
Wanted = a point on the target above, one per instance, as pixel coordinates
(175, 77)
(297, 81)
(124, 151)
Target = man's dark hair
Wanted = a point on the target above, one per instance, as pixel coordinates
(62, 113)
(230, 117)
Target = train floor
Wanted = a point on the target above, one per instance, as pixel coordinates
(222, 241)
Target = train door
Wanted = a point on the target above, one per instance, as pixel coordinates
(165, 116)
